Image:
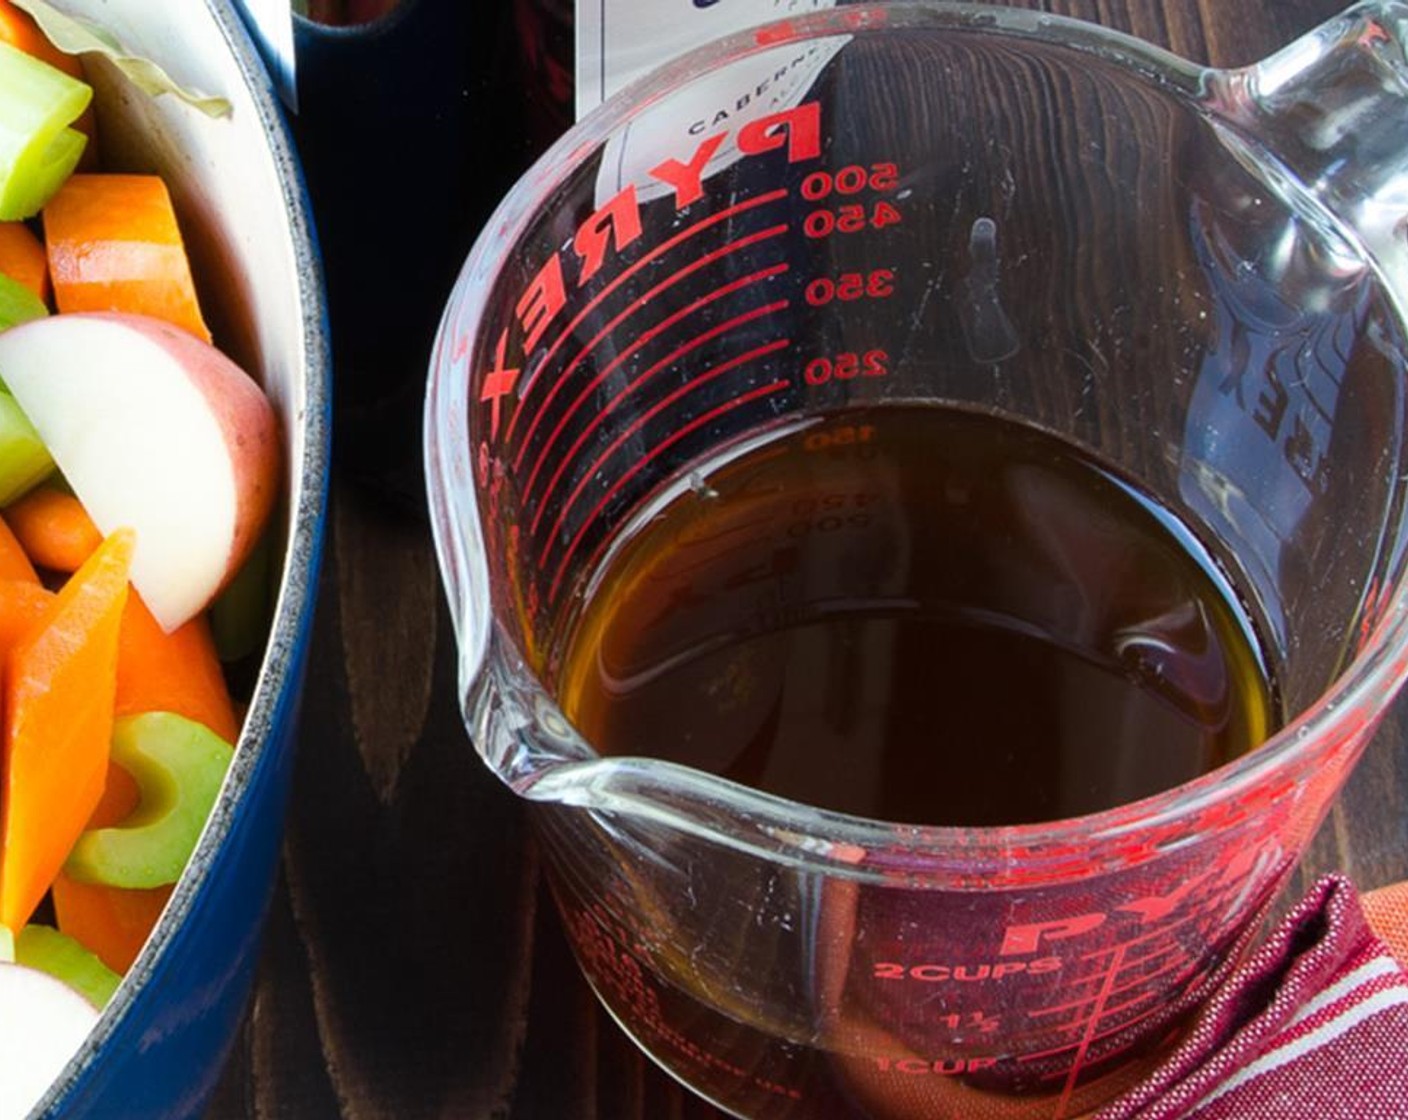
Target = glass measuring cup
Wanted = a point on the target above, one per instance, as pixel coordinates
(1194, 275)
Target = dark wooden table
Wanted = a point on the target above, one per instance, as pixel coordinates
(413, 966)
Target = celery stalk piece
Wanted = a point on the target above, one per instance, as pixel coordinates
(7, 946)
(18, 305)
(179, 766)
(38, 150)
(24, 460)
(63, 958)
(73, 35)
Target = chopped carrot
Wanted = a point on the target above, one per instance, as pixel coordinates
(60, 681)
(22, 604)
(112, 922)
(121, 795)
(53, 528)
(114, 245)
(176, 672)
(18, 28)
(22, 257)
(156, 671)
(14, 563)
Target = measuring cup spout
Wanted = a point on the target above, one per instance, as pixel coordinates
(1329, 113)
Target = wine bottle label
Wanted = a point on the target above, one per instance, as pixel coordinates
(701, 133)
(620, 40)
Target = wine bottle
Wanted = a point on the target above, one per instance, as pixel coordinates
(576, 53)
(545, 41)
(406, 147)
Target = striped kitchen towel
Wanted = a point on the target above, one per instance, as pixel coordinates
(1313, 1026)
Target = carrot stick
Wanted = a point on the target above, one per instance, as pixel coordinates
(112, 922)
(53, 528)
(176, 672)
(23, 604)
(14, 563)
(60, 680)
(156, 671)
(114, 245)
(22, 257)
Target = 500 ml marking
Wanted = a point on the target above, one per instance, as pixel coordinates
(616, 225)
(850, 217)
(826, 186)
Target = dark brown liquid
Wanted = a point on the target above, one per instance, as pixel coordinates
(922, 615)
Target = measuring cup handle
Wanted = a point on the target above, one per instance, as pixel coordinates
(1331, 112)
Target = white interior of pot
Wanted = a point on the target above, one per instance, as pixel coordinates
(243, 212)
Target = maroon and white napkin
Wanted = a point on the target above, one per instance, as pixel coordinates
(1313, 1026)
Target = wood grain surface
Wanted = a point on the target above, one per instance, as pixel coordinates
(413, 967)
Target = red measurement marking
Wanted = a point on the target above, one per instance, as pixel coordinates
(1107, 1012)
(640, 421)
(1113, 1009)
(697, 422)
(661, 249)
(1145, 977)
(1096, 1015)
(610, 406)
(1131, 964)
(669, 282)
(1059, 1008)
(1142, 938)
(498, 383)
(1055, 1051)
(1181, 961)
(644, 340)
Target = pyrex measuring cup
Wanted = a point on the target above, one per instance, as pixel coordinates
(1195, 276)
